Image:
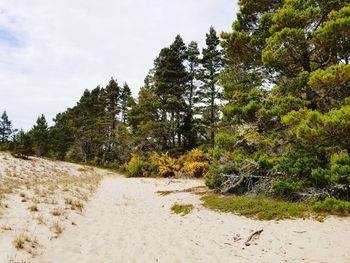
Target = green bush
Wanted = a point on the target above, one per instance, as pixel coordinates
(214, 178)
(287, 187)
(137, 167)
(297, 163)
(338, 172)
(332, 205)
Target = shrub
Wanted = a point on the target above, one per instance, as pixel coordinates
(136, 167)
(286, 187)
(297, 163)
(195, 163)
(215, 177)
(338, 172)
(165, 165)
(332, 205)
(197, 155)
(195, 169)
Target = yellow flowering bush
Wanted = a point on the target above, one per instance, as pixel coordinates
(165, 165)
(195, 163)
(197, 155)
(195, 169)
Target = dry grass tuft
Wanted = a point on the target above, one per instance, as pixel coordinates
(56, 228)
(57, 212)
(20, 240)
(40, 219)
(33, 208)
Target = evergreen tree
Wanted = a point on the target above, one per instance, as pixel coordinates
(297, 128)
(5, 128)
(23, 145)
(112, 100)
(145, 118)
(170, 78)
(61, 135)
(209, 92)
(40, 136)
(193, 68)
(126, 101)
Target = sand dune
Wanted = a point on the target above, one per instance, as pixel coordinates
(126, 220)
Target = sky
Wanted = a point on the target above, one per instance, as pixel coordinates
(51, 51)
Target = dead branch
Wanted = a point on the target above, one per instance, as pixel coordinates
(255, 235)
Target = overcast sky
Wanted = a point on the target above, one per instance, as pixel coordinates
(51, 51)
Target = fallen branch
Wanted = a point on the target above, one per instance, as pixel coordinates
(255, 235)
(299, 232)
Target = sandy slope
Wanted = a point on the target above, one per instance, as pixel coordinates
(58, 190)
(128, 222)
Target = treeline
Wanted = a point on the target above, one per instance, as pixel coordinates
(176, 111)
(282, 78)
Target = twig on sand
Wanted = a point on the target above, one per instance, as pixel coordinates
(255, 235)
(299, 232)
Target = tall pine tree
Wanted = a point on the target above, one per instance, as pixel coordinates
(126, 101)
(5, 128)
(209, 91)
(40, 136)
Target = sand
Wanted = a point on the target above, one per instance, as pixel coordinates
(126, 220)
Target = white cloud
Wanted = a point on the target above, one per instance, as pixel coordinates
(67, 46)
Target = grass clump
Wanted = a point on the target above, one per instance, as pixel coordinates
(56, 228)
(40, 219)
(20, 241)
(182, 209)
(56, 212)
(332, 205)
(33, 208)
(165, 192)
(261, 208)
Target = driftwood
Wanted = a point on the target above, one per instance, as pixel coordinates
(255, 235)
(299, 232)
(234, 180)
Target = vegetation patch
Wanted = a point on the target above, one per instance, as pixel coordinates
(333, 206)
(182, 209)
(261, 208)
(165, 192)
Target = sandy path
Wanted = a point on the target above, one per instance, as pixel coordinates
(127, 222)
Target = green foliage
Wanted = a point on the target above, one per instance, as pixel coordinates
(288, 187)
(215, 178)
(137, 167)
(338, 170)
(23, 146)
(297, 164)
(5, 130)
(182, 209)
(331, 85)
(332, 205)
(261, 208)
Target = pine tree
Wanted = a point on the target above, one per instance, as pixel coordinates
(112, 100)
(170, 78)
(61, 135)
(193, 68)
(145, 118)
(209, 91)
(5, 128)
(40, 136)
(126, 101)
(23, 145)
